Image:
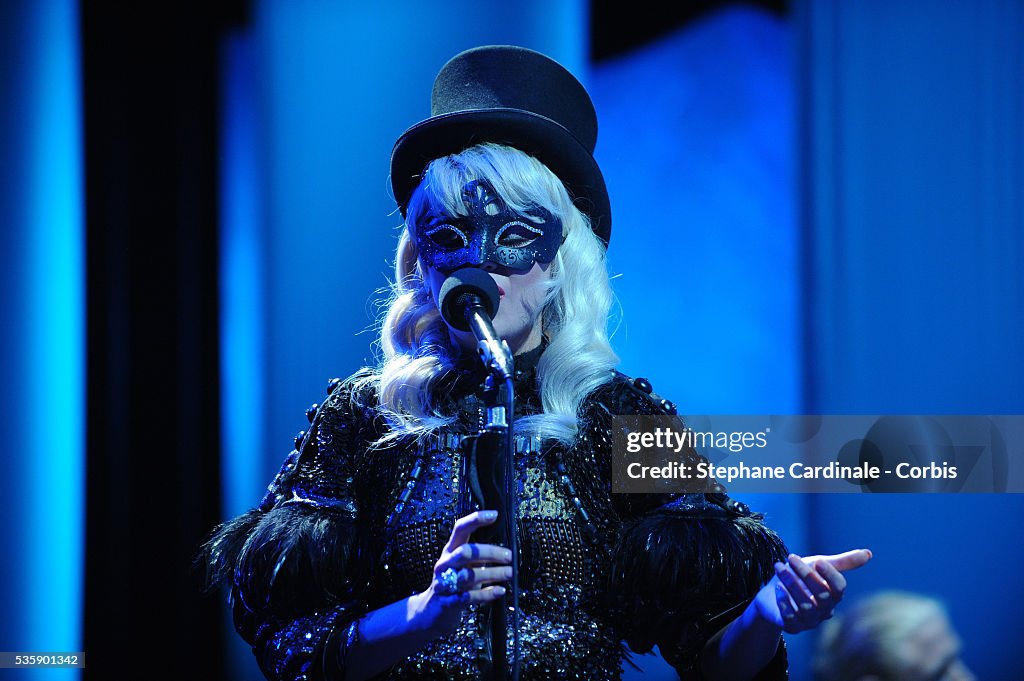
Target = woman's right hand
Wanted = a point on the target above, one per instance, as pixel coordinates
(478, 567)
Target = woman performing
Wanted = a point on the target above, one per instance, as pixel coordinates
(407, 538)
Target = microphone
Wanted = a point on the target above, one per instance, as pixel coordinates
(468, 302)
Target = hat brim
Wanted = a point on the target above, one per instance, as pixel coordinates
(541, 137)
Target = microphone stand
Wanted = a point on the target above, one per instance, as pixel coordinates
(497, 358)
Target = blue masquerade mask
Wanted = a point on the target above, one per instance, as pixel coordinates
(490, 236)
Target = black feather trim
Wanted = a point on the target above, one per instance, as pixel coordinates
(292, 558)
(218, 555)
(678, 567)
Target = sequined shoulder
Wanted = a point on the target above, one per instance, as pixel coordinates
(627, 396)
(319, 470)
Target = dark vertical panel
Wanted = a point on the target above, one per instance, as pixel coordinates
(150, 101)
(620, 27)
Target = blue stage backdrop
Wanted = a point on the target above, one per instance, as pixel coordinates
(912, 163)
(820, 214)
(42, 347)
(697, 143)
(817, 214)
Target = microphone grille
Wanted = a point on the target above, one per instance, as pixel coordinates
(469, 281)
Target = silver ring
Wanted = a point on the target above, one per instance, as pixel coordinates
(449, 581)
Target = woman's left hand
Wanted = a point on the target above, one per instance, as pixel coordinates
(804, 591)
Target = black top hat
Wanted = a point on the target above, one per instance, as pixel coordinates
(514, 96)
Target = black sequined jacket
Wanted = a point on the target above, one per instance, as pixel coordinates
(346, 528)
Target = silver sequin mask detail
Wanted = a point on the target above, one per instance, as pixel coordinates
(491, 236)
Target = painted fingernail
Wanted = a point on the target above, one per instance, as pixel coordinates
(806, 606)
(489, 515)
(824, 596)
(508, 573)
(499, 591)
(790, 615)
(507, 555)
